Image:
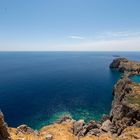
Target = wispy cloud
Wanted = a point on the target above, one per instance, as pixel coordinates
(76, 37)
(118, 35)
(109, 41)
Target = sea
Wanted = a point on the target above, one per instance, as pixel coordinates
(38, 88)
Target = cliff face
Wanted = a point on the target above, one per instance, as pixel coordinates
(4, 130)
(123, 123)
(125, 110)
(122, 64)
(126, 105)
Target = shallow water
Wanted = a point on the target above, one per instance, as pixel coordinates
(136, 78)
(36, 88)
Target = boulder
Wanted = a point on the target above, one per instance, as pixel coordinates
(95, 132)
(66, 118)
(105, 117)
(24, 129)
(78, 126)
(49, 136)
(106, 126)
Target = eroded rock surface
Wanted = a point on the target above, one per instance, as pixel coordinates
(123, 64)
(126, 103)
(4, 130)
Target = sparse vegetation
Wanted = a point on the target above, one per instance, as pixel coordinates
(135, 99)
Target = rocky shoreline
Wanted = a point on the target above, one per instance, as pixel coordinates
(123, 123)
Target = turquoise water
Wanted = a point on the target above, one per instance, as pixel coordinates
(36, 88)
(136, 78)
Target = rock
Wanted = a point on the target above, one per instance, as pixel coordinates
(49, 137)
(117, 62)
(130, 133)
(137, 124)
(4, 133)
(122, 64)
(66, 118)
(95, 132)
(126, 103)
(36, 132)
(125, 106)
(78, 126)
(105, 117)
(24, 129)
(91, 127)
(106, 126)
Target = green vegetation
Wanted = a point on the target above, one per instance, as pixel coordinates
(135, 100)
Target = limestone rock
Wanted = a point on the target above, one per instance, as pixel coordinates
(122, 64)
(66, 118)
(24, 129)
(78, 126)
(126, 103)
(4, 134)
(49, 137)
(106, 126)
(105, 117)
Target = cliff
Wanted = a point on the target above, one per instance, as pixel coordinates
(125, 65)
(123, 123)
(126, 105)
(125, 112)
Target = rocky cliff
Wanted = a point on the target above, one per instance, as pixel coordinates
(125, 65)
(4, 130)
(126, 105)
(125, 110)
(123, 123)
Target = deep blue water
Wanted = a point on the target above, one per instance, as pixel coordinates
(36, 88)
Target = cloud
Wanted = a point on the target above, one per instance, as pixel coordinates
(129, 44)
(76, 37)
(109, 41)
(117, 35)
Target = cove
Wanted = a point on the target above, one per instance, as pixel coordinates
(36, 88)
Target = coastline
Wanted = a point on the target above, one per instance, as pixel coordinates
(123, 119)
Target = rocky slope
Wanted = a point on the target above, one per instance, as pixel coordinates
(123, 123)
(125, 65)
(4, 134)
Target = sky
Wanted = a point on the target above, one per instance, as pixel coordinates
(69, 25)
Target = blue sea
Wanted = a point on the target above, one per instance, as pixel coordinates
(36, 88)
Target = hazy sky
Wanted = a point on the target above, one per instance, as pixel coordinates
(74, 25)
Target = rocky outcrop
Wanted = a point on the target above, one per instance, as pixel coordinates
(123, 64)
(125, 107)
(91, 128)
(78, 126)
(126, 103)
(24, 129)
(4, 132)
